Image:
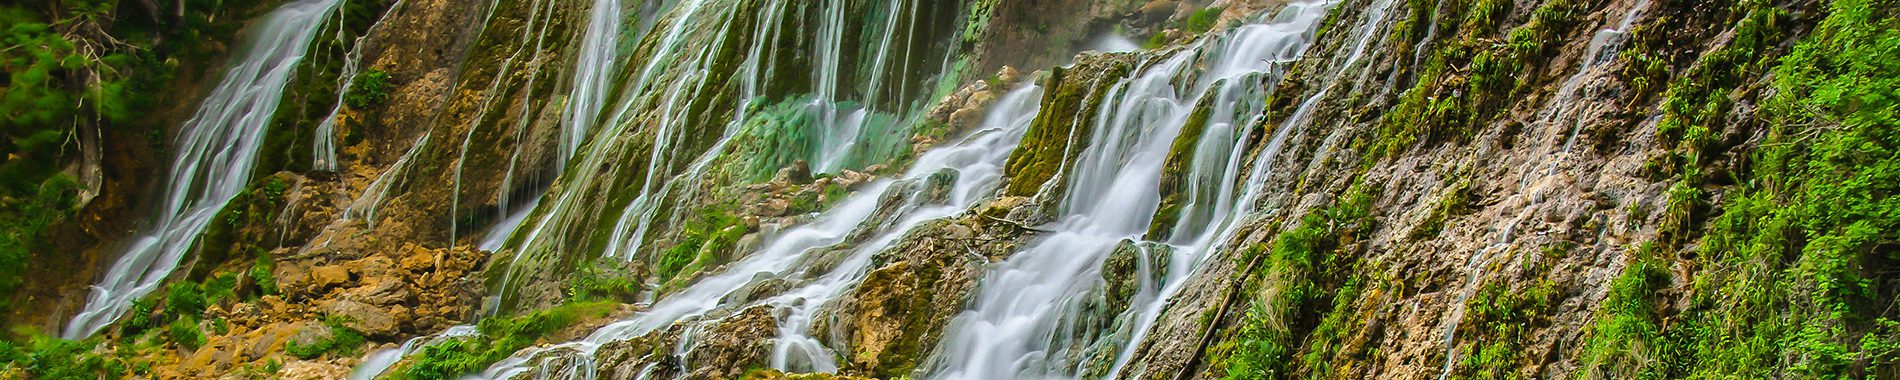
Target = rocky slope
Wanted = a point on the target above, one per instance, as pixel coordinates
(770, 189)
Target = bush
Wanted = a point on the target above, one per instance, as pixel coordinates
(261, 273)
(185, 332)
(185, 298)
(368, 90)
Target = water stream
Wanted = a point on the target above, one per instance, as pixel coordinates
(976, 163)
(214, 153)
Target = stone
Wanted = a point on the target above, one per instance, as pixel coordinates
(363, 317)
(328, 276)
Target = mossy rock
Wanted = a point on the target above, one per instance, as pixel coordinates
(1069, 106)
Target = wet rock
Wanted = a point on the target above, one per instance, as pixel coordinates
(896, 315)
(306, 370)
(1070, 104)
(735, 344)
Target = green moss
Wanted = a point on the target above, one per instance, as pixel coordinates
(706, 240)
(1069, 107)
(1789, 285)
(185, 332)
(1498, 323)
(1628, 329)
(263, 273)
(1301, 270)
(1202, 20)
(1469, 81)
(603, 280)
(185, 298)
(1177, 169)
(43, 357)
(342, 341)
(368, 89)
(497, 338)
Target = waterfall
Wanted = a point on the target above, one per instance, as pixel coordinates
(214, 153)
(976, 162)
(1016, 322)
(325, 146)
(377, 362)
(1603, 45)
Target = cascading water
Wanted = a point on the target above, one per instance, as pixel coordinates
(379, 361)
(1014, 326)
(325, 146)
(976, 163)
(1603, 47)
(593, 71)
(215, 152)
(1560, 110)
(661, 114)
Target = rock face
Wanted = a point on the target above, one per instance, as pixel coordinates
(1486, 188)
(894, 318)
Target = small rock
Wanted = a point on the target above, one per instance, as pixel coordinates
(329, 276)
(363, 317)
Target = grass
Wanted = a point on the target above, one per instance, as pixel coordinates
(706, 239)
(1792, 281)
(1301, 270)
(342, 341)
(1202, 20)
(497, 338)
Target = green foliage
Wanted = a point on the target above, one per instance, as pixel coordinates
(1498, 321)
(42, 357)
(185, 332)
(142, 316)
(602, 280)
(1202, 20)
(369, 89)
(1469, 81)
(1627, 329)
(1301, 270)
(220, 287)
(185, 298)
(23, 223)
(706, 239)
(342, 341)
(497, 338)
(1792, 285)
(262, 273)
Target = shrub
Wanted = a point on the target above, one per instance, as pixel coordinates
(185, 332)
(368, 90)
(185, 298)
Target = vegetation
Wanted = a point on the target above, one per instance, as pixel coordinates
(603, 280)
(44, 357)
(368, 90)
(1469, 80)
(185, 332)
(1202, 20)
(1497, 323)
(74, 69)
(706, 239)
(497, 338)
(1795, 284)
(341, 341)
(1296, 276)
